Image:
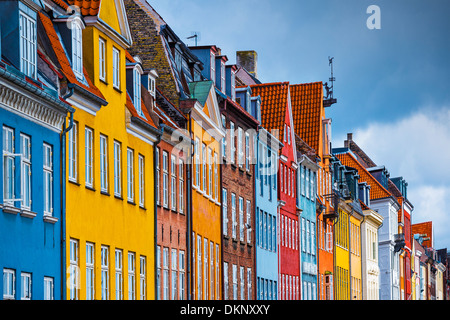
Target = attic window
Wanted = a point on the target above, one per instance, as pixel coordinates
(77, 49)
(28, 51)
(233, 86)
(137, 90)
(213, 68)
(151, 86)
(222, 76)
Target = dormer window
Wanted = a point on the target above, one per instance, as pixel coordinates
(137, 90)
(233, 86)
(77, 49)
(28, 51)
(151, 85)
(247, 103)
(222, 76)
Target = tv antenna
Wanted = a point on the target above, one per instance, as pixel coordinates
(195, 35)
(328, 99)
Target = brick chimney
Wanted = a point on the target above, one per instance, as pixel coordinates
(249, 60)
(349, 138)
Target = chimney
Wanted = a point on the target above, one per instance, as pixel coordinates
(249, 61)
(349, 138)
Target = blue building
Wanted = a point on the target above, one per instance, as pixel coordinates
(306, 202)
(32, 117)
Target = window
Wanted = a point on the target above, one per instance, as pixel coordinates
(225, 280)
(205, 267)
(25, 145)
(8, 166)
(117, 169)
(25, 283)
(9, 284)
(249, 283)
(242, 282)
(89, 156)
(197, 162)
(131, 276)
(213, 68)
(73, 270)
(303, 235)
(203, 167)
(158, 177)
(28, 51)
(216, 177)
(241, 219)
(103, 163)
(165, 273)
(181, 268)
(274, 233)
(181, 186)
(225, 211)
(165, 164)
(233, 215)
(249, 226)
(130, 174)
(247, 151)
(142, 277)
(224, 139)
(232, 143)
(211, 269)
(222, 76)
(141, 176)
(173, 182)
(90, 280)
(102, 59)
(158, 273)
(119, 276)
(313, 238)
(240, 148)
(235, 285)
(233, 86)
(210, 177)
(137, 90)
(77, 49)
(48, 288)
(217, 273)
(116, 68)
(174, 257)
(199, 267)
(289, 134)
(73, 153)
(105, 272)
(48, 180)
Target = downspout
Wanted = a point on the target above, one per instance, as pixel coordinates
(189, 216)
(362, 269)
(155, 200)
(63, 195)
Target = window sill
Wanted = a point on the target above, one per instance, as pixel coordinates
(249, 244)
(74, 182)
(105, 193)
(10, 209)
(117, 89)
(118, 197)
(226, 237)
(103, 81)
(233, 165)
(174, 210)
(248, 173)
(131, 202)
(90, 188)
(241, 169)
(143, 208)
(50, 219)
(28, 214)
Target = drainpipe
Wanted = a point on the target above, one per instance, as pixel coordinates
(189, 216)
(63, 195)
(155, 216)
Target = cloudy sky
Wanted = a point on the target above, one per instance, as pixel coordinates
(392, 84)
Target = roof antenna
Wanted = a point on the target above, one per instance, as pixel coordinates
(329, 100)
(196, 35)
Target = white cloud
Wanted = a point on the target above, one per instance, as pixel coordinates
(417, 148)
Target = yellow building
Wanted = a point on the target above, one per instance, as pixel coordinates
(110, 209)
(355, 256)
(342, 255)
(205, 225)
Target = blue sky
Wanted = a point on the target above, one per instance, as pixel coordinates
(392, 84)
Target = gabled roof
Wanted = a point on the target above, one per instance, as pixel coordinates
(307, 101)
(274, 101)
(377, 191)
(200, 90)
(63, 61)
(425, 228)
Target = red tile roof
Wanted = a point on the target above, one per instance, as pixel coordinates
(307, 102)
(61, 3)
(274, 101)
(132, 109)
(377, 191)
(425, 228)
(88, 7)
(63, 61)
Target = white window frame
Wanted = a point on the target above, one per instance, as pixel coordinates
(222, 77)
(241, 219)
(174, 274)
(180, 185)
(234, 275)
(137, 90)
(232, 143)
(143, 277)
(73, 153)
(158, 177)
(165, 273)
(181, 272)
(173, 182)
(103, 163)
(217, 272)
(224, 139)
(77, 49)
(9, 284)
(242, 283)
(249, 283)
(233, 215)
(225, 211)
(225, 280)
(247, 152)
(49, 288)
(165, 182)
(210, 171)
(90, 274)
(141, 176)
(25, 286)
(131, 276)
(197, 162)
(102, 59)
(216, 176)
(117, 169)
(104, 256)
(204, 167)
(130, 175)
(48, 179)
(213, 67)
(211, 270)
(240, 148)
(28, 48)
(116, 68)
(199, 267)
(158, 272)
(249, 228)
(73, 269)
(9, 175)
(205, 268)
(89, 156)
(25, 159)
(119, 273)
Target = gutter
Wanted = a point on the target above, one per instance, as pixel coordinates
(63, 195)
